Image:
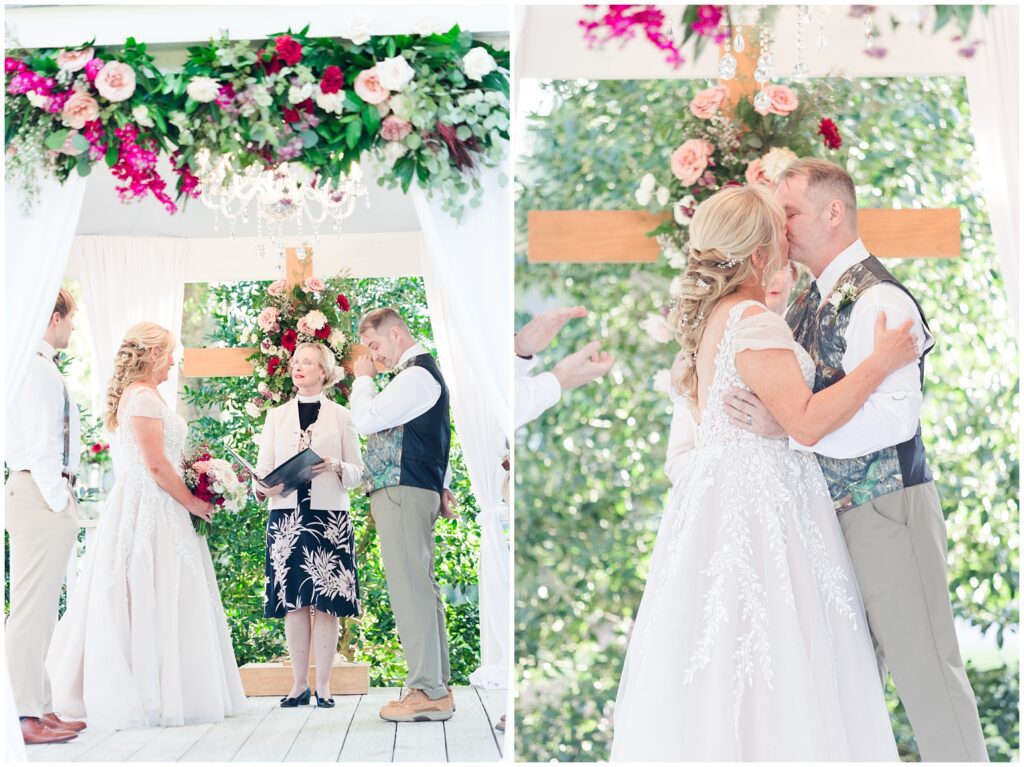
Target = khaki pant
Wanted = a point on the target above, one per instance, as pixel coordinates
(897, 544)
(41, 543)
(405, 519)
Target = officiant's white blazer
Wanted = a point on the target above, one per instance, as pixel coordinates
(333, 436)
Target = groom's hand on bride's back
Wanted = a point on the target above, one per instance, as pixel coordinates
(584, 366)
(747, 412)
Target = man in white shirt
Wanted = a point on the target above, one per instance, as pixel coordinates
(535, 394)
(43, 447)
(408, 428)
(875, 464)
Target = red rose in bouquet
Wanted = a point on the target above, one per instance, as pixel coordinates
(343, 303)
(288, 50)
(272, 365)
(289, 340)
(215, 481)
(333, 80)
(324, 333)
(830, 133)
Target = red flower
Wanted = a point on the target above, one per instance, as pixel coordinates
(343, 303)
(333, 80)
(289, 339)
(306, 106)
(288, 50)
(270, 64)
(97, 447)
(290, 115)
(324, 332)
(272, 365)
(830, 133)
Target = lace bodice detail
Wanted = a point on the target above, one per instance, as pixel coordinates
(762, 331)
(144, 402)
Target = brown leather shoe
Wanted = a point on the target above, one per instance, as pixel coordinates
(35, 732)
(52, 719)
(417, 707)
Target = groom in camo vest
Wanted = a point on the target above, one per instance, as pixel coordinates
(875, 465)
(408, 428)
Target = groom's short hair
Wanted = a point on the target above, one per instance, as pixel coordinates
(382, 319)
(825, 180)
(65, 304)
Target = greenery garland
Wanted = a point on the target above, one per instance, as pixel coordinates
(429, 107)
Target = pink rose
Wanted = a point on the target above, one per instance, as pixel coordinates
(276, 288)
(201, 467)
(116, 81)
(783, 99)
(368, 87)
(706, 103)
(73, 61)
(691, 159)
(755, 173)
(80, 109)
(314, 285)
(304, 327)
(268, 318)
(395, 129)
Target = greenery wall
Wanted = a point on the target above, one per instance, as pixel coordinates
(590, 487)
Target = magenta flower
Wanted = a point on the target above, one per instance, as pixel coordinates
(621, 22)
(13, 66)
(708, 19)
(93, 68)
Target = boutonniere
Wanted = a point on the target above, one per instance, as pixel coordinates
(842, 297)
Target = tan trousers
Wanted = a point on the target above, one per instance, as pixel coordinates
(897, 544)
(41, 543)
(405, 519)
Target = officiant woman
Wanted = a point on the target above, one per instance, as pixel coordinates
(311, 577)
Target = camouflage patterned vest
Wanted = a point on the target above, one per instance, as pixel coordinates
(854, 481)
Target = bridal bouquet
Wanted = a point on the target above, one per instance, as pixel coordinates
(215, 481)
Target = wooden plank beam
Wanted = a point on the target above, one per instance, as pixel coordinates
(276, 678)
(217, 363)
(298, 270)
(619, 236)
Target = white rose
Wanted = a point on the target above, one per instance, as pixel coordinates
(675, 288)
(393, 150)
(356, 28)
(395, 73)
(478, 63)
(141, 116)
(315, 319)
(647, 183)
(428, 25)
(337, 339)
(299, 93)
(203, 89)
(776, 160)
(657, 328)
(252, 410)
(36, 100)
(835, 298)
(330, 102)
(301, 173)
(676, 258)
(401, 106)
(662, 381)
(663, 196)
(643, 197)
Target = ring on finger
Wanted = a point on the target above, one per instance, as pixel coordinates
(750, 419)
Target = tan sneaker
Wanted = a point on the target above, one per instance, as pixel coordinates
(417, 707)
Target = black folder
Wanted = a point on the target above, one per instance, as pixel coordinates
(294, 472)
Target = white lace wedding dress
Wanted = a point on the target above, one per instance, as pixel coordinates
(144, 640)
(750, 643)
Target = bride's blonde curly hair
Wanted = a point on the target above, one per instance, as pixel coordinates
(134, 362)
(726, 230)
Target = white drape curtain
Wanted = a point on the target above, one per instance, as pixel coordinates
(993, 92)
(467, 275)
(126, 280)
(36, 247)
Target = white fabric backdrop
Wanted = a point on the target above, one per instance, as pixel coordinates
(36, 248)
(993, 91)
(127, 280)
(467, 275)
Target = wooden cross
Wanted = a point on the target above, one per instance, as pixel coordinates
(232, 361)
(620, 236)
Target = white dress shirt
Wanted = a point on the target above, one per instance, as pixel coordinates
(410, 394)
(892, 412)
(35, 429)
(534, 394)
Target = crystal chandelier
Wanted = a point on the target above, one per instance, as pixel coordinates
(289, 192)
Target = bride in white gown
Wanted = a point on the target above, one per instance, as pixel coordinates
(750, 643)
(144, 640)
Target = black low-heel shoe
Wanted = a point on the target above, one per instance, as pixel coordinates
(301, 700)
(324, 702)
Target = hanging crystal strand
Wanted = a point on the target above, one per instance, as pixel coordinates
(727, 64)
(261, 250)
(800, 70)
(869, 37)
(822, 42)
(763, 72)
(739, 44)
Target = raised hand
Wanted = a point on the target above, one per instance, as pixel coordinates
(363, 366)
(541, 330)
(584, 366)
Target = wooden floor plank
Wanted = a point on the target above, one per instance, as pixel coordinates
(323, 735)
(496, 703)
(171, 743)
(370, 738)
(70, 751)
(421, 742)
(121, 745)
(468, 734)
(222, 741)
(271, 741)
